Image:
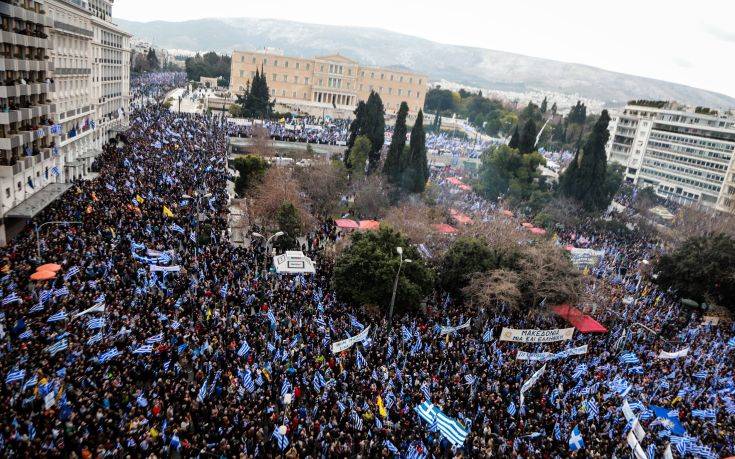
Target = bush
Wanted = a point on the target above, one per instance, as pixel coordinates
(251, 169)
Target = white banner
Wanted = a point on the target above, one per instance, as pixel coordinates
(545, 356)
(531, 381)
(445, 330)
(635, 446)
(100, 307)
(340, 346)
(168, 269)
(536, 336)
(158, 253)
(673, 355)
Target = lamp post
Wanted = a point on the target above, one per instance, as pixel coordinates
(395, 286)
(267, 243)
(197, 198)
(38, 231)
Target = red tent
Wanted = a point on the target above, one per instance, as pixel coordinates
(582, 322)
(537, 231)
(455, 181)
(460, 217)
(527, 225)
(444, 228)
(346, 223)
(369, 225)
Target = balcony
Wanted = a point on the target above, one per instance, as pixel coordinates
(21, 39)
(24, 114)
(25, 65)
(28, 89)
(17, 11)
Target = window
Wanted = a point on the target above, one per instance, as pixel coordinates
(285, 78)
(400, 92)
(391, 78)
(410, 80)
(294, 94)
(7, 192)
(275, 63)
(400, 78)
(242, 73)
(242, 58)
(321, 82)
(283, 92)
(273, 92)
(285, 64)
(372, 74)
(253, 59)
(382, 76)
(296, 80)
(419, 80)
(274, 77)
(306, 80)
(409, 93)
(321, 68)
(418, 94)
(265, 61)
(390, 91)
(362, 74)
(298, 64)
(307, 66)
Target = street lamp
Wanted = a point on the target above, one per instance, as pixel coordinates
(395, 285)
(38, 231)
(267, 243)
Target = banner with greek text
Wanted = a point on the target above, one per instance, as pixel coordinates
(536, 336)
(168, 269)
(340, 346)
(673, 355)
(546, 356)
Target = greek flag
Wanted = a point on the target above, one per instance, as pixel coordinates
(452, 430)
(280, 439)
(175, 324)
(731, 342)
(512, 409)
(177, 228)
(55, 170)
(356, 420)
(247, 381)
(58, 347)
(61, 291)
(701, 374)
(202, 391)
(96, 323)
(703, 451)
(592, 409)
(145, 349)
(271, 317)
(630, 358)
(361, 362)
(320, 322)
(557, 432)
(109, 355)
(13, 376)
(579, 371)
(94, 339)
(45, 295)
(223, 291)
(26, 334)
(637, 370)
(355, 323)
(31, 382)
(100, 299)
(192, 237)
(61, 315)
(427, 393)
(576, 441)
(244, 349)
(391, 447)
(470, 379)
(416, 451)
(285, 388)
(704, 414)
(73, 271)
(407, 336)
(12, 298)
(487, 336)
(155, 339)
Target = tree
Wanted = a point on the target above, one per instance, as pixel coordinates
(544, 105)
(374, 128)
(152, 59)
(278, 187)
(357, 126)
(588, 178)
(208, 65)
(371, 198)
(251, 169)
(514, 139)
(359, 154)
(324, 184)
(465, 257)
(439, 100)
(416, 172)
(256, 101)
(504, 171)
(702, 268)
(553, 109)
(392, 166)
(365, 271)
(527, 140)
(288, 220)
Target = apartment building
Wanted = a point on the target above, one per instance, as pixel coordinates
(328, 81)
(65, 92)
(684, 153)
(28, 156)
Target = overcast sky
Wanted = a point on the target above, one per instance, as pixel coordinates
(682, 41)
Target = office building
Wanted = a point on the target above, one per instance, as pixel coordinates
(327, 81)
(685, 154)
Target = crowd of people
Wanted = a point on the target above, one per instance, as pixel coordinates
(158, 337)
(304, 129)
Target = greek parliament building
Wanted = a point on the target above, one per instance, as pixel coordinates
(328, 81)
(684, 153)
(64, 92)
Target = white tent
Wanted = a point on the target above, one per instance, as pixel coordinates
(293, 262)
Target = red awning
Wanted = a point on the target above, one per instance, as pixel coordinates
(346, 223)
(369, 225)
(444, 228)
(582, 322)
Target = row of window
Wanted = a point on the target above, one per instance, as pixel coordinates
(687, 160)
(680, 179)
(696, 141)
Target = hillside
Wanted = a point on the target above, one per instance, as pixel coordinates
(466, 65)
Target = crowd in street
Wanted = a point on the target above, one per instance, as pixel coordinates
(157, 337)
(306, 129)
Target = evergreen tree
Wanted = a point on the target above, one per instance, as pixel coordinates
(553, 109)
(375, 127)
(392, 166)
(417, 171)
(544, 105)
(527, 141)
(256, 100)
(357, 127)
(586, 179)
(152, 59)
(514, 139)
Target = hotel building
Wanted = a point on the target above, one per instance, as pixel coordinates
(685, 154)
(327, 81)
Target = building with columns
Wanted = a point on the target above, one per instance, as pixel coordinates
(328, 81)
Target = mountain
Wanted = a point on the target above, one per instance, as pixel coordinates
(467, 65)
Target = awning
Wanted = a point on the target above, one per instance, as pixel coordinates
(293, 262)
(38, 201)
(346, 223)
(369, 225)
(444, 228)
(582, 322)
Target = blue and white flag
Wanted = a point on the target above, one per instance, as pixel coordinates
(630, 358)
(108, 355)
(14, 376)
(61, 315)
(177, 228)
(73, 271)
(576, 442)
(361, 362)
(512, 409)
(144, 349)
(487, 336)
(95, 323)
(12, 298)
(32, 382)
(58, 347)
(281, 439)
(94, 339)
(61, 291)
(391, 447)
(155, 339)
(244, 349)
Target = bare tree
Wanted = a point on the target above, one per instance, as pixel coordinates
(279, 187)
(262, 145)
(488, 291)
(546, 273)
(371, 198)
(324, 184)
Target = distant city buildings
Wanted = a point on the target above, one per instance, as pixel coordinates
(685, 154)
(65, 92)
(327, 81)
